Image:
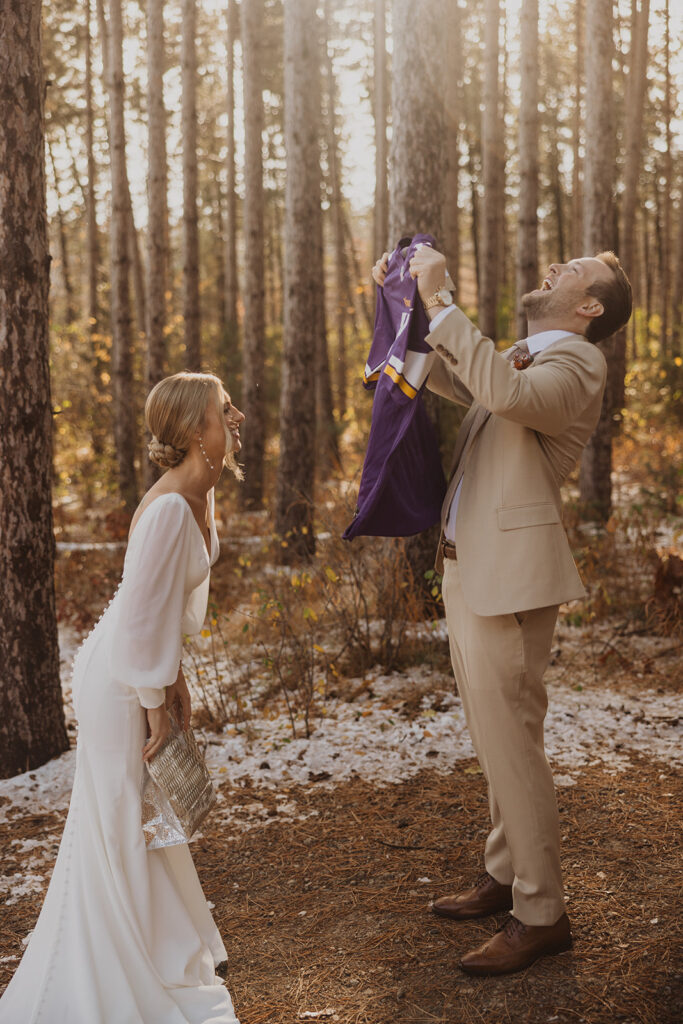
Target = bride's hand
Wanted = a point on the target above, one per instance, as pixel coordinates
(159, 729)
(178, 698)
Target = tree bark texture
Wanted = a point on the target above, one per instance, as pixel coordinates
(156, 195)
(296, 468)
(416, 161)
(453, 112)
(380, 222)
(122, 367)
(157, 215)
(70, 307)
(527, 223)
(598, 233)
(253, 345)
(577, 191)
(667, 202)
(32, 728)
(491, 215)
(100, 415)
(188, 61)
(417, 151)
(633, 140)
(231, 286)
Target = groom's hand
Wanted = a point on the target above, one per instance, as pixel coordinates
(429, 267)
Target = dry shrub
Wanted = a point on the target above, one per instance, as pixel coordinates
(309, 627)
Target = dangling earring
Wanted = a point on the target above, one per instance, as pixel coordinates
(203, 451)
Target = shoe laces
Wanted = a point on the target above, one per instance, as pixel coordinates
(513, 927)
(484, 879)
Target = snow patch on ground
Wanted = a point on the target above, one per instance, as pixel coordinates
(378, 737)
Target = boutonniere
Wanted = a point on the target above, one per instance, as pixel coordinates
(521, 360)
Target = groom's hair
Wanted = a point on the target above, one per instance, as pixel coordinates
(616, 296)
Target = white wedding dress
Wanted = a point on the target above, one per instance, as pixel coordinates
(125, 935)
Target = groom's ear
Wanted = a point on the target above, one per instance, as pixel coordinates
(590, 308)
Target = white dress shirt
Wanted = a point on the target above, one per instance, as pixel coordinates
(536, 343)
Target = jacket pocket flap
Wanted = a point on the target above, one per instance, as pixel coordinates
(517, 516)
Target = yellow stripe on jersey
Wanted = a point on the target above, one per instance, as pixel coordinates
(399, 379)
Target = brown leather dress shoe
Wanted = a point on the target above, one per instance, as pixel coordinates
(487, 896)
(516, 946)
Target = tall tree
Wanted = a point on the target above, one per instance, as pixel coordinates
(93, 250)
(253, 346)
(577, 194)
(492, 212)
(598, 232)
(122, 368)
(232, 327)
(70, 308)
(132, 239)
(303, 280)
(416, 159)
(453, 112)
(527, 222)
(188, 60)
(380, 221)
(633, 142)
(667, 202)
(677, 296)
(32, 728)
(157, 221)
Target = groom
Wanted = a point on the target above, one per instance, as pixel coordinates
(507, 567)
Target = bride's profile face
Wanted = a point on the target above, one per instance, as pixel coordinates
(221, 428)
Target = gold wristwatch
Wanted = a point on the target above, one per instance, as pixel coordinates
(442, 297)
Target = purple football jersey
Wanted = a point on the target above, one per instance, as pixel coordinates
(402, 485)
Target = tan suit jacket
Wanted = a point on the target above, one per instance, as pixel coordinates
(513, 552)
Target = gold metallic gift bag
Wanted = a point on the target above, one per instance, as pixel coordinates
(177, 792)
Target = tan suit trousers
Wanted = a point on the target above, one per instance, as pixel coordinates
(499, 662)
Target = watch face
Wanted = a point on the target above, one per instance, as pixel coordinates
(446, 297)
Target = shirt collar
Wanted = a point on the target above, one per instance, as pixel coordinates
(538, 342)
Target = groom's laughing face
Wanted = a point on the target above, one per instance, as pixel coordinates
(564, 288)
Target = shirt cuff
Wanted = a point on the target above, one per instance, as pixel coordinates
(433, 324)
(151, 697)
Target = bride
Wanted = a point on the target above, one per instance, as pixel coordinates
(125, 935)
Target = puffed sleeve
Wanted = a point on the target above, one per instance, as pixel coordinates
(147, 638)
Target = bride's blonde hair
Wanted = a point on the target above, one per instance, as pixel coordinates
(175, 408)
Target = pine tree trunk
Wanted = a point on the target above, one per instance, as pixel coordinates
(303, 281)
(577, 194)
(100, 412)
(32, 728)
(188, 61)
(122, 368)
(358, 278)
(253, 345)
(667, 240)
(380, 213)
(556, 189)
(633, 140)
(451, 176)
(491, 220)
(70, 307)
(598, 233)
(416, 160)
(326, 429)
(231, 285)
(677, 297)
(157, 215)
(527, 224)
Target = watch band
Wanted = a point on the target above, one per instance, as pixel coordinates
(434, 300)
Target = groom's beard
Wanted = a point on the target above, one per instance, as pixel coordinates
(539, 305)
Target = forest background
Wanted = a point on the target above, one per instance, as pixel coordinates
(219, 179)
(206, 184)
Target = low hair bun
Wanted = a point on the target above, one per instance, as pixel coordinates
(165, 455)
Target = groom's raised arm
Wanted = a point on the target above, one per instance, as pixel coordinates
(548, 397)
